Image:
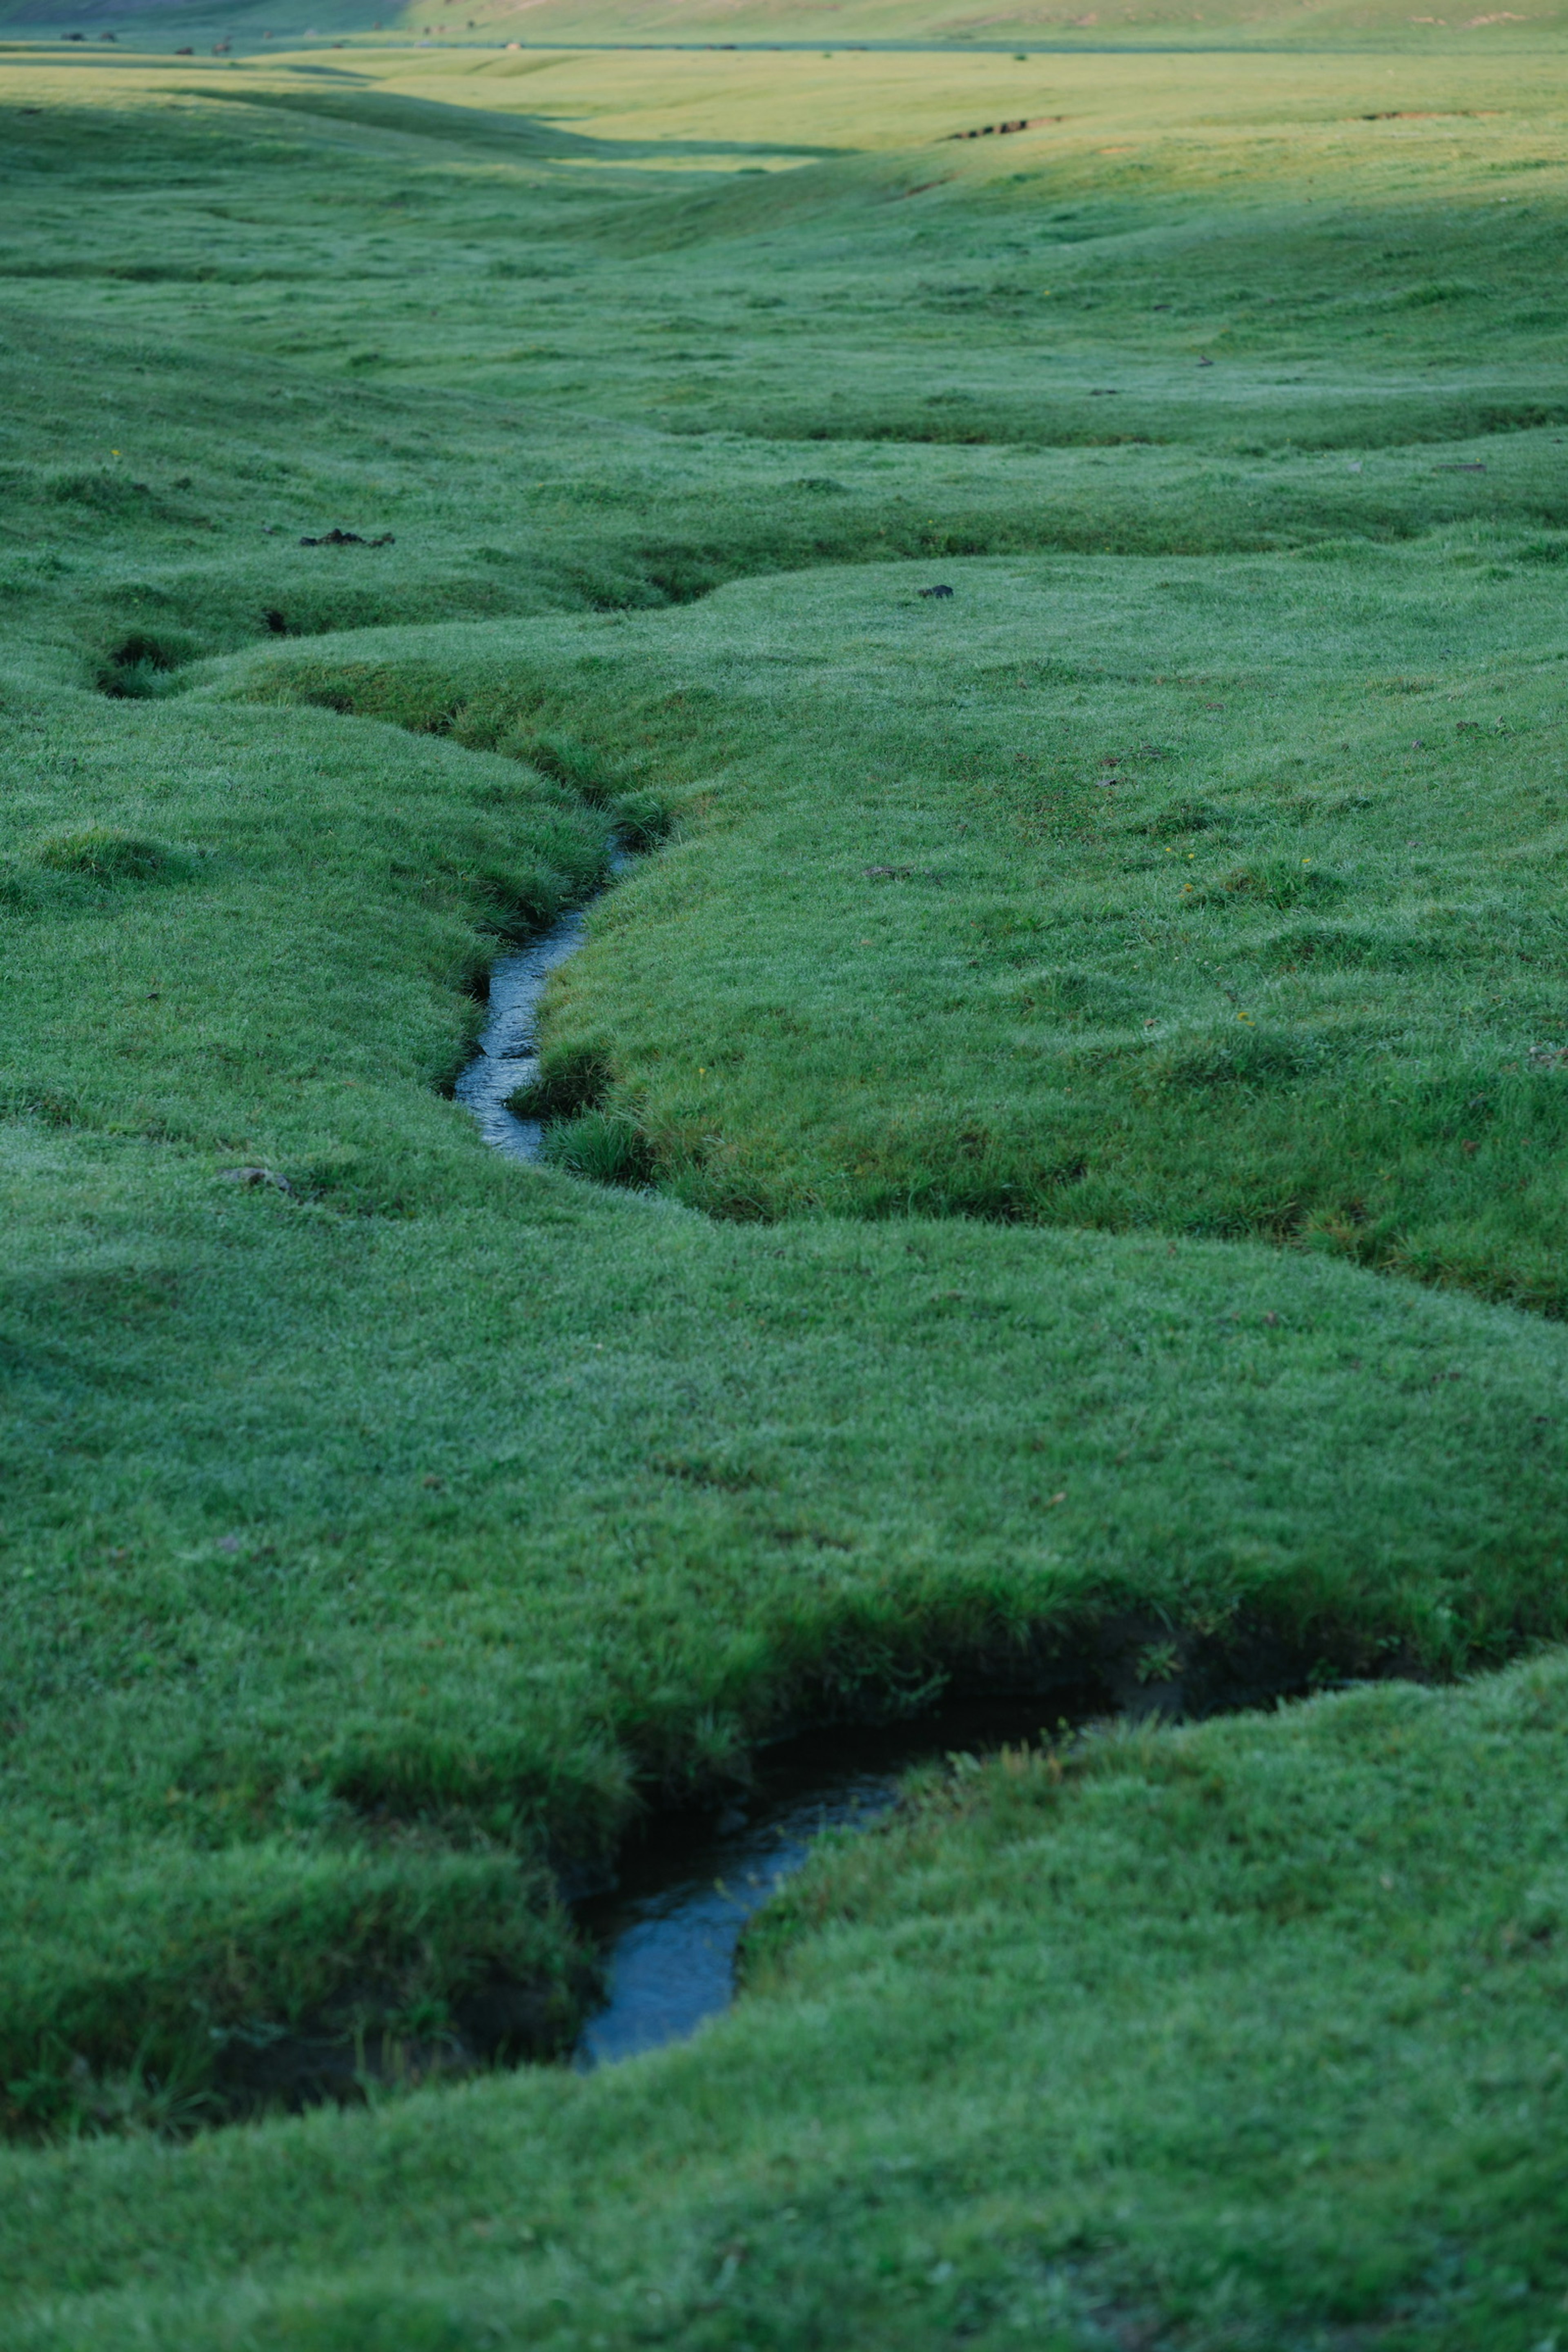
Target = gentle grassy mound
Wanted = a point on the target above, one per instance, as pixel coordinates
(1101, 893)
(1244, 2036)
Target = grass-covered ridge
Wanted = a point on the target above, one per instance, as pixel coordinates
(1094, 1039)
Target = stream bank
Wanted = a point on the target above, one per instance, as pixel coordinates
(666, 1921)
(666, 1931)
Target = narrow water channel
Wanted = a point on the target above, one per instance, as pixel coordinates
(668, 1930)
(507, 1052)
(508, 1057)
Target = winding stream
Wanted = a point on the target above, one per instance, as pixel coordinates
(668, 1932)
(507, 1055)
(667, 1929)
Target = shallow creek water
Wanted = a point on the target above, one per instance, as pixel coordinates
(508, 1057)
(668, 1931)
(668, 1928)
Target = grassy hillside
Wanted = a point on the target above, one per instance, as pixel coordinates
(1080, 1067)
(985, 918)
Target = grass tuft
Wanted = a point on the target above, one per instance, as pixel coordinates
(604, 1148)
(102, 853)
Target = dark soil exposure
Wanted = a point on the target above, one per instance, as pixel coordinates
(271, 2069)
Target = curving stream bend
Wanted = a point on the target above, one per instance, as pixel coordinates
(508, 1057)
(668, 1927)
(668, 1931)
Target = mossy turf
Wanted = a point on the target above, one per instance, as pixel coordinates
(1030, 1004)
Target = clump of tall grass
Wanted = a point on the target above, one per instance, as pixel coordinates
(101, 853)
(143, 668)
(604, 1147)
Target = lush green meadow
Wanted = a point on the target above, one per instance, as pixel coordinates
(985, 916)
(1244, 2036)
(1077, 1080)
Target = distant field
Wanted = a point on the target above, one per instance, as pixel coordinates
(1055, 1171)
(823, 25)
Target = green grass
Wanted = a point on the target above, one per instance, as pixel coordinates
(1224, 905)
(1244, 2036)
(391, 1526)
(1052, 1179)
(1002, 39)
